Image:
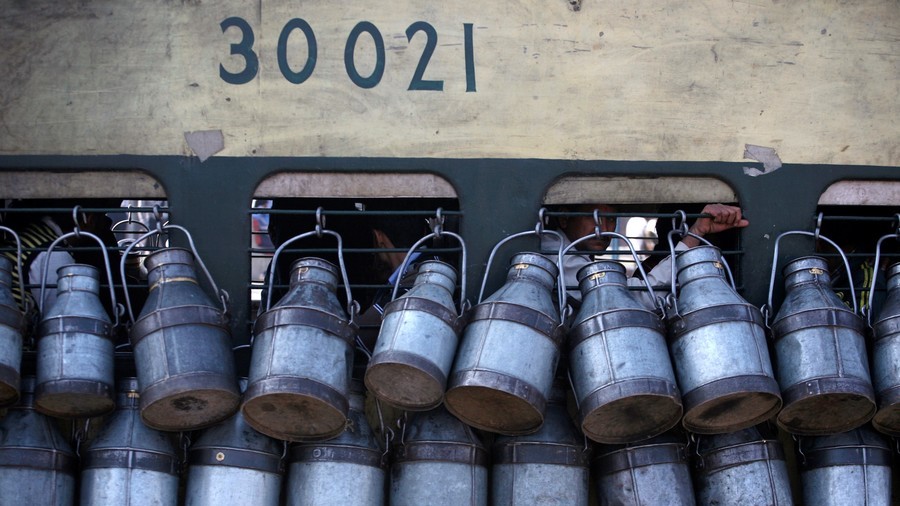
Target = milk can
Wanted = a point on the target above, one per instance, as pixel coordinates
(743, 468)
(230, 463)
(886, 350)
(128, 463)
(509, 351)
(182, 344)
(549, 467)
(349, 469)
(620, 365)
(654, 471)
(12, 327)
(823, 367)
(417, 341)
(850, 468)
(439, 462)
(302, 359)
(75, 349)
(718, 345)
(37, 465)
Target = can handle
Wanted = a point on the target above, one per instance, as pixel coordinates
(77, 232)
(539, 231)
(767, 309)
(680, 228)
(598, 234)
(437, 231)
(352, 306)
(895, 235)
(26, 302)
(222, 294)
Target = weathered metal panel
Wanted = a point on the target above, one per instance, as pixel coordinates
(815, 80)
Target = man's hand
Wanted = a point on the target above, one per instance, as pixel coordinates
(721, 218)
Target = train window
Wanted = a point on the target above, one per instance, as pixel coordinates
(855, 215)
(115, 206)
(378, 217)
(644, 210)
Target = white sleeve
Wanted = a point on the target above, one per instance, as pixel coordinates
(660, 275)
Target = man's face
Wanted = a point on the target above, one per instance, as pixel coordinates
(576, 227)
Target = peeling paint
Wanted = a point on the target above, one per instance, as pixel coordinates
(767, 156)
(205, 143)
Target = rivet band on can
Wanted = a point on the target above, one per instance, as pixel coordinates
(441, 452)
(38, 458)
(174, 316)
(641, 456)
(832, 385)
(887, 327)
(827, 317)
(846, 456)
(305, 316)
(12, 317)
(346, 454)
(614, 320)
(730, 456)
(131, 459)
(519, 314)
(540, 453)
(725, 313)
(427, 306)
(235, 457)
(75, 324)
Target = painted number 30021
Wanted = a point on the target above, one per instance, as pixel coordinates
(245, 50)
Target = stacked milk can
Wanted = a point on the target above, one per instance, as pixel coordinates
(634, 398)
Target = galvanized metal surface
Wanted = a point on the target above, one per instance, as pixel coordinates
(718, 345)
(37, 464)
(417, 342)
(75, 349)
(182, 349)
(128, 463)
(508, 354)
(619, 362)
(302, 359)
(349, 469)
(886, 357)
(823, 367)
(12, 327)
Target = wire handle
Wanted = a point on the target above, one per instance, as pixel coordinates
(26, 302)
(160, 228)
(816, 235)
(540, 232)
(895, 235)
(319, 231)
(598, 234)
(437, 231)
(77, 232)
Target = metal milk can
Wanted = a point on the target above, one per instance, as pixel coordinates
(509, 351)
(417, 341)
(302, 359)
(182, 346)
(12, 327)
(75, 349)
(230, 463)
(349, 469)
(823, 368)
(743, 468)
(549, 467)
(850, 468)
(439, 462)
(650, 472)
(622, 375)
(128, 463)
(718, 344)
(37, 465)
(886, 350)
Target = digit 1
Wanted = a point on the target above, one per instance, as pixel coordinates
(470, 58)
